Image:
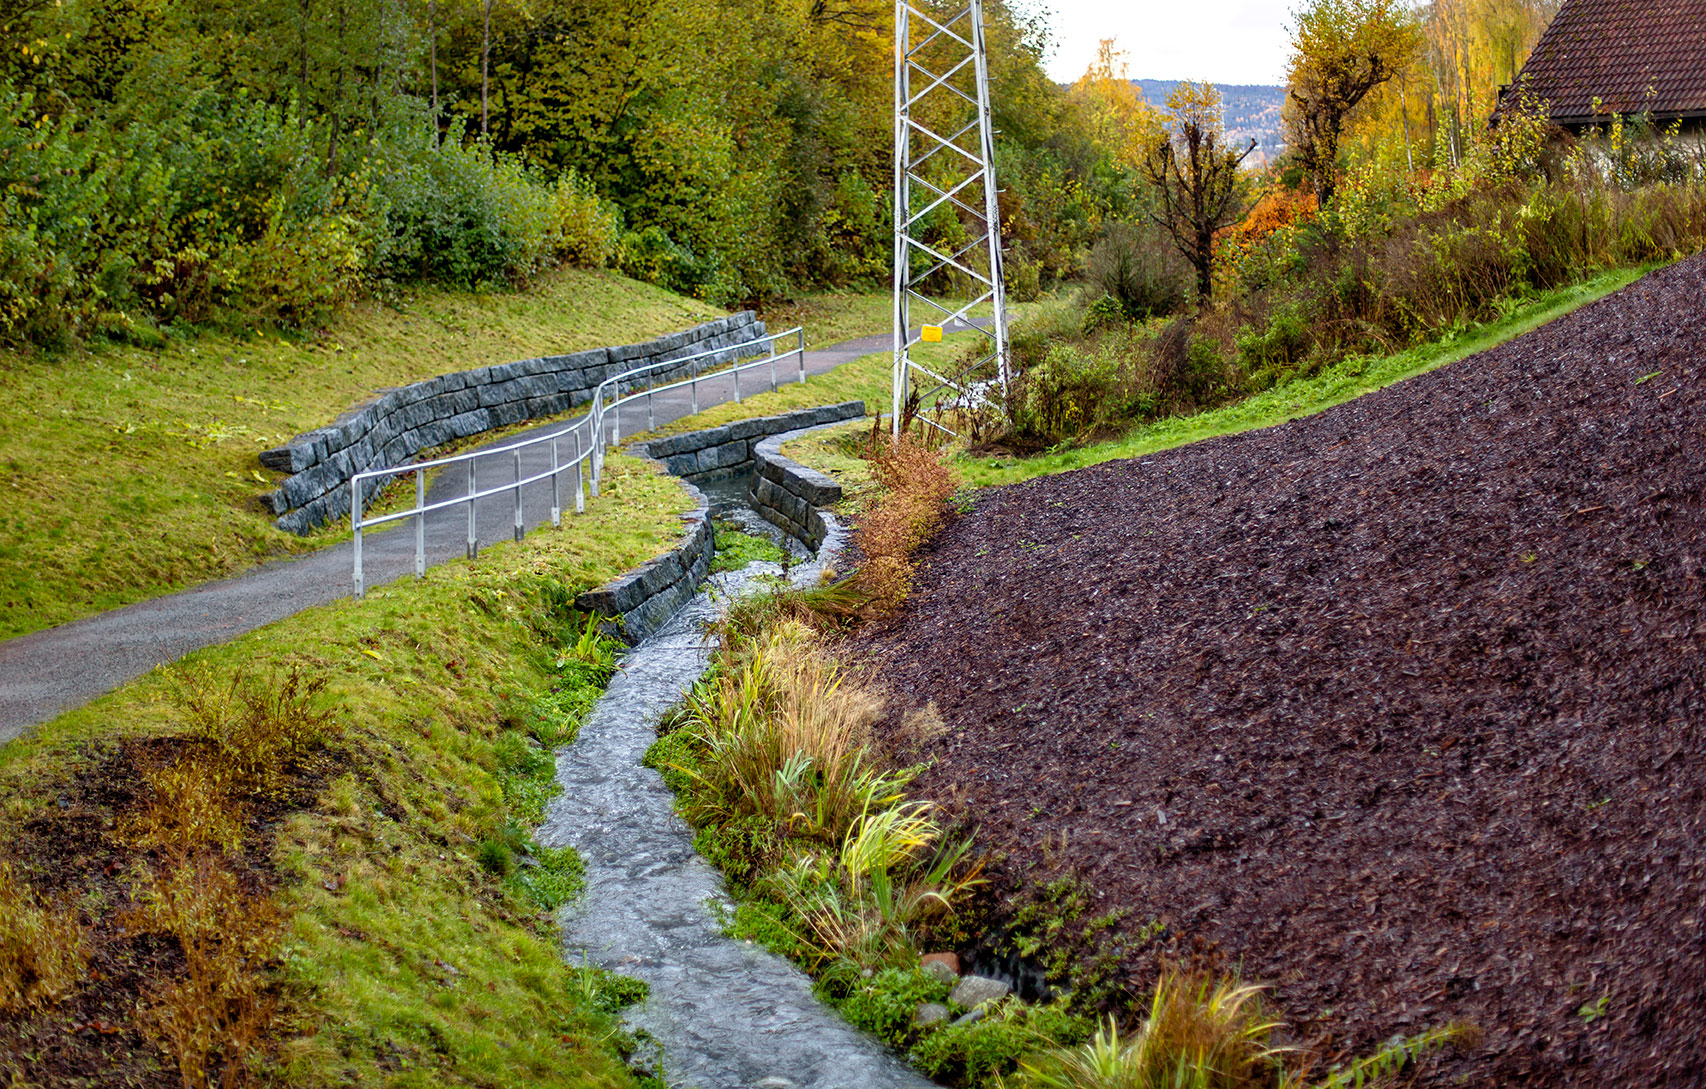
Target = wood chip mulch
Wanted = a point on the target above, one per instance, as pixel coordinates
(1400, 707)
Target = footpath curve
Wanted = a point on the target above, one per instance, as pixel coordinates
(47, 672)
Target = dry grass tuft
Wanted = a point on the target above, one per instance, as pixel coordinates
(916, 487)
(786, 737)
(1201, 1033)
(920, 726)
(218, 1012)
(42, 949)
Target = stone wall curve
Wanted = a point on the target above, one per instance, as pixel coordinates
(396, 424)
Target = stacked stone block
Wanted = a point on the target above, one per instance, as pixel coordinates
(791, 496)
(642, 601)
(727, 450)
(399, 423)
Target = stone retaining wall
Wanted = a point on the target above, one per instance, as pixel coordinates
(788, 495)
(727, 450)
(399, 423)
(785, 492)
(641, 601)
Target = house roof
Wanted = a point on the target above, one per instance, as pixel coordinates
(1634, 56)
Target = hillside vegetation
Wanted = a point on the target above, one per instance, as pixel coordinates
(172, 163)
(305, 857)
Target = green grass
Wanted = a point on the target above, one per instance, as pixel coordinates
(407, 962)
(1335, 385)
(832, 317)
(130, 472)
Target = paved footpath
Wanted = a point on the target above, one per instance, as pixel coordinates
(46, 672)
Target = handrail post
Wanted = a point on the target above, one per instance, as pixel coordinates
(355, 527)
(580, 493)
(737, 380)
(595, 437)
(772, 366)
(520, 522)
(694, 383)
(420, 523)
(651, 413)
(473, 537)
(802, 351)
(556, 488)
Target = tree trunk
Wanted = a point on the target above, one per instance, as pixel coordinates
(338, 90)
(432, 55)
(485, 67)
(1404, 108)
(306, 9)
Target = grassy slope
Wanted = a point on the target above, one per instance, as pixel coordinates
(129, 472)
(421, 969)
(834, 316)
(1335, 385)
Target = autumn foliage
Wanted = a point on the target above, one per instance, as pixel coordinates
(914, 503)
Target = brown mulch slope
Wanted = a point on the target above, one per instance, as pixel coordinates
(1400, 707)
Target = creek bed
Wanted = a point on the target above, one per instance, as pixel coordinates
(722, 1013)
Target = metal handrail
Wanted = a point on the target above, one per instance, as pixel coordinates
(602, 425)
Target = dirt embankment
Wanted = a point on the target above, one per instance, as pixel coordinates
(1400, 707)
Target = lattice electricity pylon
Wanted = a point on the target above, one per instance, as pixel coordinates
(951, 175)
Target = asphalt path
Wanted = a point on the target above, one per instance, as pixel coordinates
(47, 672)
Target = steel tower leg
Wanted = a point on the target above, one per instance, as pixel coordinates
(947, 217)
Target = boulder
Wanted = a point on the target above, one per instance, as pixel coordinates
(974, 991)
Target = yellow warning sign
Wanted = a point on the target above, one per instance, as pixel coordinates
(932, 334)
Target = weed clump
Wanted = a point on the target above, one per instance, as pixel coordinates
(42, 950)
(256, 728)
(218, 1010)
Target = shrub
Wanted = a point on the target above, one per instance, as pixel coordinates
(916, 486)
(1066, 396)
(42, 949)
(217, 1011)
(1139, 271)
(257, 728)
(1274, 354)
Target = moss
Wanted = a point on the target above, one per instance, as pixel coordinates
(736, 549)
(884, 1003)
(979, 1054)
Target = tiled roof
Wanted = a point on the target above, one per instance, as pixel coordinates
(1634, 56)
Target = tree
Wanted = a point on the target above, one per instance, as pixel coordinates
(1199, 188)
(1340, 51)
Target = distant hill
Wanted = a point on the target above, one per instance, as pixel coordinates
(1252, 112)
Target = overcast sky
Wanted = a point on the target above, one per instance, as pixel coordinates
(1227, 41)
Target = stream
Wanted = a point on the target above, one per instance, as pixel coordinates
(722, 1013)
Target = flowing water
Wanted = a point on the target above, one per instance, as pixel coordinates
(724, 1013)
